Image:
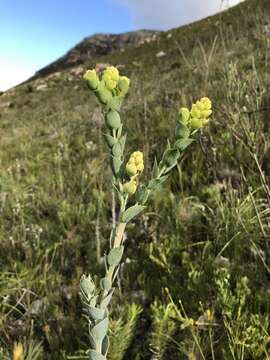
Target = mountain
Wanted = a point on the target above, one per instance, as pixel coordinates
(196, 264)
(98, 45)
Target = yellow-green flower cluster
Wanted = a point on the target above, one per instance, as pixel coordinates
(199, 114)
(135, 164)
(111, 83)
(110, 77)
(134, 167)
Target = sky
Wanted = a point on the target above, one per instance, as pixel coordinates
(33, 33)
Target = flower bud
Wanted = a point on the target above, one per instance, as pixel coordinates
(184, 115)
(111, 72)
(130, 187)
(92, 79)
(103, 94)
(110, 84)
(207, 104)
(205, 121)
(137, 155)
(195, 111)
(123, 85)
(131, 168)
(196, 123)
(140, 166)
(206, 113)
(113, 120)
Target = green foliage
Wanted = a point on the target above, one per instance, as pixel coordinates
(163, 328)
(122, 330)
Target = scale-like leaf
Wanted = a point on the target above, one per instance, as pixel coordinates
(99, 331)
(182, 144)
(105, 284)
(105, 345)
(115, 255)
(182, 131)
(96, 313)
(110, 140)
(105, 302)
(115, 103)
(93, 355)
(117, 149)
(133, 211)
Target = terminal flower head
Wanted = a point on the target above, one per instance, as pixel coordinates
(135, 164)
(199, 114)
(110, 77)
(109, 86)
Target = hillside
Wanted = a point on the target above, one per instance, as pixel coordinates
(204, 239)
(98, 45)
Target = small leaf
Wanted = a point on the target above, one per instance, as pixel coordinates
(105, 345)
(115, 255)
(113, 120)
(170, 157)
(92, 341)
(117, 149)
(115, 103)
(182, 144)
(122, 141)
(181, 131)
(110, 140)
(93, 355)
(93, 301)
(96, 313)
(162, 179)
(87, 286)
(99, 331)
(133, 211)
(119, 131)
(155, 170)
(154, 183)
(105, 284)
(105, 302)
(142, 194)
(116, 164)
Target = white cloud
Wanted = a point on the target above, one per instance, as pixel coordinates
(12, 74)
(165, 14)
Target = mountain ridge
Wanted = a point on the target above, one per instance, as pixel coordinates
(97, 45)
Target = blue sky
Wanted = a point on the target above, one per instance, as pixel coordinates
(34, 33)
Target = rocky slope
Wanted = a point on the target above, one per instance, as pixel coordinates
(98, 45)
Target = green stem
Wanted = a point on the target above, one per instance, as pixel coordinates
(120, 229)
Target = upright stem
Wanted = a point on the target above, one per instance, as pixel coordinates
(117, 241)
(98, 236)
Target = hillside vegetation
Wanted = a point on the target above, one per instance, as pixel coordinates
(195, 282)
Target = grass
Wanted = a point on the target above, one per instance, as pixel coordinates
(198, 267)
